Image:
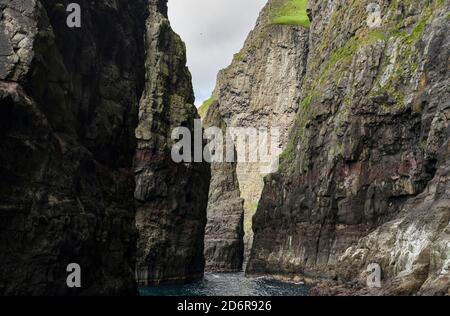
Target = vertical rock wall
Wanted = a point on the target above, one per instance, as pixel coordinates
(171, 198)
(68, 110)
(371, 132)
(224, 236)
(85, 121)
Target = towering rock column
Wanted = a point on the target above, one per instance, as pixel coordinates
(224, 237)
(171, 198)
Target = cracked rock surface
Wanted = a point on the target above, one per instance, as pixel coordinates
(364, 176)
(224, 235)
(75, 168)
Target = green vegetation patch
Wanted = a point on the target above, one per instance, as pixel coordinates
(293, 12)
(337, 64)
(406, 63)
(334, 66)
(237, 57)
(251, 209)
(205, 106)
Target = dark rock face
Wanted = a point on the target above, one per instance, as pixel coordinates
(371, 132)
(68, 110)
(413, 248)
(224, 235)
(171, 198)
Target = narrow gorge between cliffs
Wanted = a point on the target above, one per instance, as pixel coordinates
(104, 154)
(358, 93)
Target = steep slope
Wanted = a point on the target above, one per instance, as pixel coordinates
(171, 198)
(69, 102)
(370, 134)
(260, 89)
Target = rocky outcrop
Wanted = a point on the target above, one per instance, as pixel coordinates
(260, 89)
(224, 235)
(69, 108)
(171, 198)
(414, 248)
(364, 176)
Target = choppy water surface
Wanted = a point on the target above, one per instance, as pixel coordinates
(228, 284)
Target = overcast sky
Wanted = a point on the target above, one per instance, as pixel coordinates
(213, 30)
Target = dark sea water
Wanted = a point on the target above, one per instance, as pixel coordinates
(228, 284)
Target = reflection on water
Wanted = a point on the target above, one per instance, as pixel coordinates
(228, 284)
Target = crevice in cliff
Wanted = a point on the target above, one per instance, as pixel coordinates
(258, 91)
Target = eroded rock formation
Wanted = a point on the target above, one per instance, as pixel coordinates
(224, 235)
(86, 116)
(171, 198)
(364, 178)
(68, 111)
(69, 107)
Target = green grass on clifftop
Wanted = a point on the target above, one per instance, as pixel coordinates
(293, 12)
(205, 106)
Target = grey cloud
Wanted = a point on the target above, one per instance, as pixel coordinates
(214, 30)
